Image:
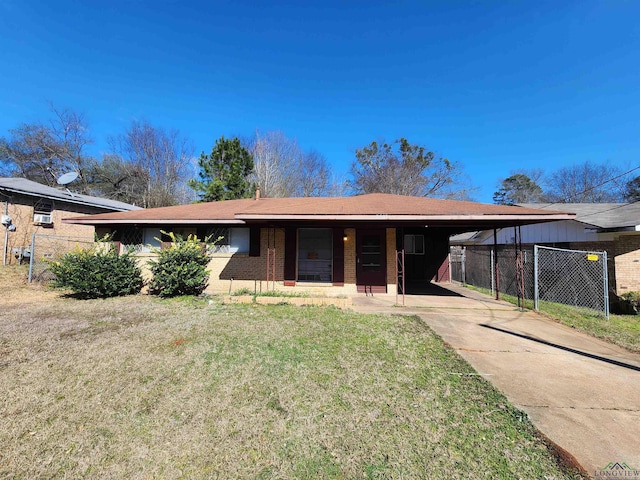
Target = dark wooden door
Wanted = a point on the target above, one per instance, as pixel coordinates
(371, 260)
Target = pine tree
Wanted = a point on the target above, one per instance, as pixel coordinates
(223, 173)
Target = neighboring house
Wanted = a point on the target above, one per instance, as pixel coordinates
(335, 245)
(29, 207)
(612, 227)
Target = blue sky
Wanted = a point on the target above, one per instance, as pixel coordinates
(495, 86)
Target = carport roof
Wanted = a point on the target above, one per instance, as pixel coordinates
(605, 216)
(371, 208)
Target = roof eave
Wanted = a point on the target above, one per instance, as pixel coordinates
(73, 200)
(421, 218)
(90, 221)
(242, 219)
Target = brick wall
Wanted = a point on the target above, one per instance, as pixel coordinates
(230, 273)
(21, 212)
(627, 263)
(350, 257)
(239, 271)
(242, 271)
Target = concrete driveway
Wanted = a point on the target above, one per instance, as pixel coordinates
(582, 393)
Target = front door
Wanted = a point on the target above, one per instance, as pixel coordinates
(371, 261)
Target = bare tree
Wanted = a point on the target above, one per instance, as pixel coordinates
(283, 169)
(274, 158)
(313, 175)
(162, 160)
(114, 178)
(42, 151)
(586, 183)
(405, 169)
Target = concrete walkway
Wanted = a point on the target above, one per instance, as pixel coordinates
(582, 393)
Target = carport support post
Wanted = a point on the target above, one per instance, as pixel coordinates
(496, 270)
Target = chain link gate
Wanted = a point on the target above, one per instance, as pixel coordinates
(571, 277)
(47, 248)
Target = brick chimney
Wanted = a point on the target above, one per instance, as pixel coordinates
(257, 194)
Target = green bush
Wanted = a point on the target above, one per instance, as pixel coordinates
(98, 272)
(632, 306)
(180, 269)
(633, 297)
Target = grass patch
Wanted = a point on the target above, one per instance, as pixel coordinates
(621, 330)
(270, 293)
(276, 293)
(145, 388)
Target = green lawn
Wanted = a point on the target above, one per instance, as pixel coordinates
(622, 330)
(143, 388)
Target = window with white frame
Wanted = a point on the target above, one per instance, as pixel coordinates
(228, 240)
(414, 244)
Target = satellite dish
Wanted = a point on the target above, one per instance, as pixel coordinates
(66, 178)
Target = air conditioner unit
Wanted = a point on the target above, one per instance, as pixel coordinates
(43, 219)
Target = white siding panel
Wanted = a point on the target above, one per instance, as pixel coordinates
(552, 232)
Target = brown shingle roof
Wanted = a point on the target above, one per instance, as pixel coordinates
(375, 206)
(224, 211)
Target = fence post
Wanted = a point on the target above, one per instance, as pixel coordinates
(462, 265)
(606, 284)
(493, 273)
(535, 278)
(32, 256)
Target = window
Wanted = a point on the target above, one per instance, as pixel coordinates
(228, 240)
(315, 254)
(131, 238)
(42, 211)
(414, 244)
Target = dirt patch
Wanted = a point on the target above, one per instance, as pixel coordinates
(16, 291)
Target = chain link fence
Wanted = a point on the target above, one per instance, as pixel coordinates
(516, 272)
(47, 248)
(570, 277)
(477, 267)
(457, 264)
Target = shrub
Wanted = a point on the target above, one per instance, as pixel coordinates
(97, 272)
(633, 297)
(180, 269)
(633, 302)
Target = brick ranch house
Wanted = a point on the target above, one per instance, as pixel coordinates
(30, 207)
(340, 245)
